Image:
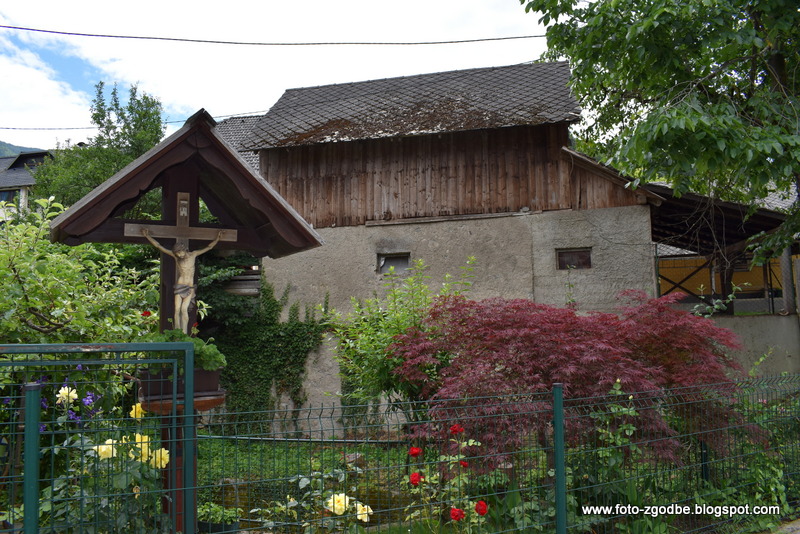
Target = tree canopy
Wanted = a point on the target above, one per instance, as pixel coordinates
(699, 93)
(125, 132)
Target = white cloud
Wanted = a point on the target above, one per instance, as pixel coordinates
(32, 97)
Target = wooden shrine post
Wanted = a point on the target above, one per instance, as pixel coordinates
(178, 292)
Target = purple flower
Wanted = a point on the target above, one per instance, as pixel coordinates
(89, 399)
(42, 427)
(44, 403)
(7, 400)
(73, 416)
(79, 367)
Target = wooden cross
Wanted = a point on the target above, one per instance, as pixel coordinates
(182, 232)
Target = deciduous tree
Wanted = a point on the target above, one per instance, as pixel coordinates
(54, 293)
(125, 132)
(468, 349)
(700, 93)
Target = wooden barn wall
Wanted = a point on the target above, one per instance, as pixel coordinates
(487, 171)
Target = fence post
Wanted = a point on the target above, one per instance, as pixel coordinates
(30, 495)
(189, 436)
(705, 470)
(559, 459)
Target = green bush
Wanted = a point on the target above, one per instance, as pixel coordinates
(365, 334)
(54, 293)
(214, 513)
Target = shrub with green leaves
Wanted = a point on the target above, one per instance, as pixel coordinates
(365, 335)
(53, 293)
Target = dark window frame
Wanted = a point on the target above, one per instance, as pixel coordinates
(573, 258)
(401, 261)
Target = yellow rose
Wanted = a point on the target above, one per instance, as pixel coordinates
(363, 512)
(107, 450)
(338, 503)
(142, 449)
(137, 412)
(66, 395)
(159, 459)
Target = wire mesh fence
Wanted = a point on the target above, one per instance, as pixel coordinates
(78, 453)
(716, 458)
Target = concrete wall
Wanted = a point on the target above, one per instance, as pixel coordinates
(775, 335)
(622, 255)
(516, 258)
(515, 252)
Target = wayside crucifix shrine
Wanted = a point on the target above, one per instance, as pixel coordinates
(191, 165)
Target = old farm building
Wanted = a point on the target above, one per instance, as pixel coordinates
(448, 165)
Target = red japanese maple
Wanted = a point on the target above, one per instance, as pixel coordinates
(468, 349)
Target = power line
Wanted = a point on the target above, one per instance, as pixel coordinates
(178, 121)
(250, 43)
(241, 43)
(48, 129)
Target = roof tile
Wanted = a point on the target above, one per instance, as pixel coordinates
(234, 130)
(495, 97)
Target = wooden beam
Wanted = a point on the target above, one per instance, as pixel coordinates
(180, 232)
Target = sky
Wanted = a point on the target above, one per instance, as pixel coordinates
(47, 81)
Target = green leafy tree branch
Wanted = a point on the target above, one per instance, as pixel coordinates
(700, 94)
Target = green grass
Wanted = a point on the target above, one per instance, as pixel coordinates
(255, 474)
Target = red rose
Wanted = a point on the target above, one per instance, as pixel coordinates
(415, 478)
(463, 463)
(481, 508)
(146, 313)
(414, 452)
(456, 429)
(456, 514)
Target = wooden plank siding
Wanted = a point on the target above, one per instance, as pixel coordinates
(462, 173)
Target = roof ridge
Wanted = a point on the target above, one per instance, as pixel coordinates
(423, 74)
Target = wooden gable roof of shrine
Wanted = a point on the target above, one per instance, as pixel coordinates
(197, 160)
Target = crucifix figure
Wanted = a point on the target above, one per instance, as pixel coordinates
(184, 280)
(184, 287)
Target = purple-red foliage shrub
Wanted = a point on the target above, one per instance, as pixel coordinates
(469, 349)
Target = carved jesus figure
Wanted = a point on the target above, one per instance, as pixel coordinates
(185, 289)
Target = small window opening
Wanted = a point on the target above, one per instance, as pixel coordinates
(400, 261)
(578, 258)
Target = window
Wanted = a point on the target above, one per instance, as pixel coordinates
(8, 195)
(399, 260)
(576, 258)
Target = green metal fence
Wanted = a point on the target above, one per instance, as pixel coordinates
(716, 458)
(76, 456)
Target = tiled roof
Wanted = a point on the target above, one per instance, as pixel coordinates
(776, 201)
(15, 172)
(496, 97)
(234, 130)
